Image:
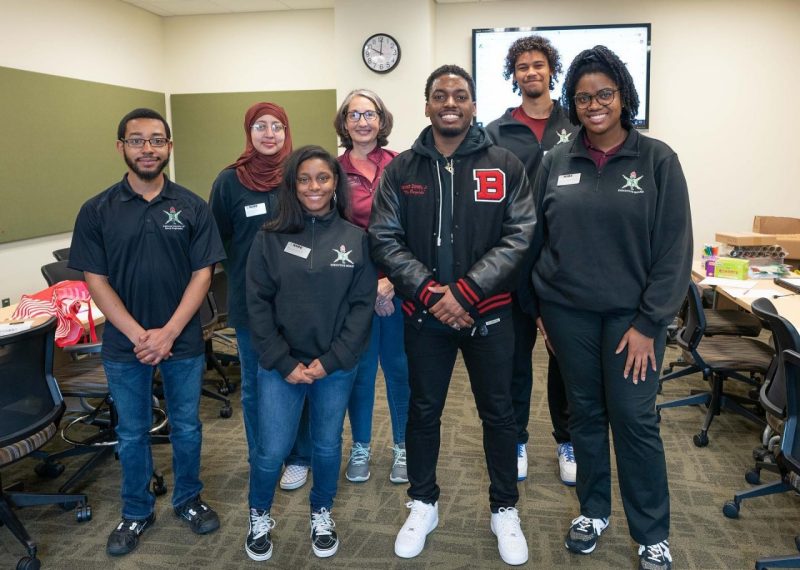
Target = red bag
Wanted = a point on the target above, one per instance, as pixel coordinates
(62, 300)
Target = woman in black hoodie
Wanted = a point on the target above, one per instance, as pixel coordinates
(310, 294)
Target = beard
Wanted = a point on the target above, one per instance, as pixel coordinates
(533, 92)
(146, 175)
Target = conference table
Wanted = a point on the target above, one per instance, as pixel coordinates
(731, 293)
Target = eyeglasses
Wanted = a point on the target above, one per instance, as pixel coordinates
(155, 142)
(355, 116)
(603, 97)
(276, 128)
(322, 179)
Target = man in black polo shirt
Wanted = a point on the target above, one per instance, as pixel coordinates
(529, 131)
(147, 248)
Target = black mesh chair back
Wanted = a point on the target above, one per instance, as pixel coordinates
(31, 407)
(61, 254)
(784, 337)
(58, 271)
(29, 396)
(219, 290)
(694, 325)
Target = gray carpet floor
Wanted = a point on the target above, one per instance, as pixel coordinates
(369, 514)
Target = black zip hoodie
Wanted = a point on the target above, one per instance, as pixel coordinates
(614, 239)
(311, 295)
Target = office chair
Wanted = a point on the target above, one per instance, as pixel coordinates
(61, 254)
(788, 458)
(83, 379)
(717, 358)
(31, 407)
(58, 271)
(772, 395)
(730, 322)
(208, 322)
(219, 290)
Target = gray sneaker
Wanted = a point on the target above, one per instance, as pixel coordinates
(358, 465)
(399, 472)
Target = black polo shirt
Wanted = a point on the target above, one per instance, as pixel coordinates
(148, 250)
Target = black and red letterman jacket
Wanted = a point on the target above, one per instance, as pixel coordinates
(491, 221)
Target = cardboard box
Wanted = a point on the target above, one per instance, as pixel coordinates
(731, 238)
(785, 230)
(731, 268)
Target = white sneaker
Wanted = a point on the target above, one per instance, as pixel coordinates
(421, 521)
(294, 477)
(510, 541)
(522, 461)
(567, 467)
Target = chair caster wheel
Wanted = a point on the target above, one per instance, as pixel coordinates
(700, 439)
(226, 412)
(49, 470)
(28, 563)
(159, 487)
(83, 514)
(731, 510)
(753, 476)
(223, 390)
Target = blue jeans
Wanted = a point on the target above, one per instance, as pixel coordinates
(280, 407)
(301, 452)
(131, 387)
(386, 345)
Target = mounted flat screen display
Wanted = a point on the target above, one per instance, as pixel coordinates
(631, 42)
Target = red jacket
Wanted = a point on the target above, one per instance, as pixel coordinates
(362, 188)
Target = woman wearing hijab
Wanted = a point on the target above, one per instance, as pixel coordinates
(243, 198)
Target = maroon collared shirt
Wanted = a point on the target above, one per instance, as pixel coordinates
(599, 157)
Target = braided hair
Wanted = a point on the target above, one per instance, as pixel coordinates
(600, 59)
(532, 43)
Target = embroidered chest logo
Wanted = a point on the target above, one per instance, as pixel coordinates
(342, 257)
(563, 136)
(491, 184)
(412, 189)
(173, 219)
(632, 184)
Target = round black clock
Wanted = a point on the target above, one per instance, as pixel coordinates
(381, 53)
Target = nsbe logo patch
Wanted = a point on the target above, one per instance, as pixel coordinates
(491, 184)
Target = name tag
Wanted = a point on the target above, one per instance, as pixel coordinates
(296, 249)
(255, 210)
(569, 179)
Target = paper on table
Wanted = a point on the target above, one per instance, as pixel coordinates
(732, 283)
(11, 328)
(754, 293)
(736, 292)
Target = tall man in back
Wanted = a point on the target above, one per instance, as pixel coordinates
(529, 131)
(147, 248)
(451, 222)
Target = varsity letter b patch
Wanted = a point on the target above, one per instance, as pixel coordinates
(491, 184)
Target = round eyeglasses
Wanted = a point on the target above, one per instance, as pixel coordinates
(355, 116)
(276, 128)
(603, 97)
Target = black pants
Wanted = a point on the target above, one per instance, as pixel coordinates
(522, 381)
(600, 396)
(432, 353)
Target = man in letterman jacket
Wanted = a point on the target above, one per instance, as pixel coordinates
(451, 222)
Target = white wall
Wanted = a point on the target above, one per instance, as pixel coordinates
(723, 86)
(95, 40)
(721, 71)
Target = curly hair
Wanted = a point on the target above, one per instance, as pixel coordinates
(340, 122)
(532, 43)
(449, 70)
(600, 59)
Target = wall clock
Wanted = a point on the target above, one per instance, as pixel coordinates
(381, 53)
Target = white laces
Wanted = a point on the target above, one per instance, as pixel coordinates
(658, 552)
(583, 524)
(322, 523)
(509, 520)
(260, 523)
(359, 455)
(399, 456)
